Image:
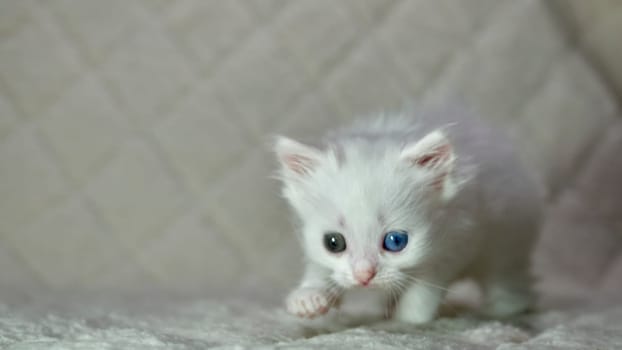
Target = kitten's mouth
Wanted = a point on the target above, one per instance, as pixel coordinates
(373, 284)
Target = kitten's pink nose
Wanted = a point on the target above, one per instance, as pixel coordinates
(364, 276)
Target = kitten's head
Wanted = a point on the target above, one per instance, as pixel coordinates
(368, 212)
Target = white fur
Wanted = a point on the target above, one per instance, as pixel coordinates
(480, 221)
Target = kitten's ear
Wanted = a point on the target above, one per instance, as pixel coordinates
(434, 154)
(296, 158)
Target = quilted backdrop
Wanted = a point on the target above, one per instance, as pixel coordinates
(133, 134)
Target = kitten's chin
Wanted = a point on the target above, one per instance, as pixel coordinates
(346, 284)
(370, 286)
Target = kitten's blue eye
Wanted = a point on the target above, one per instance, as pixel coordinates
(395, 241)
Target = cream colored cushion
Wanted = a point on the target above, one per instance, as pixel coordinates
(133, 134)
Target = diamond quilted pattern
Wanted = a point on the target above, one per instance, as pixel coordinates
(213, 141)
(573, 224)
(611, 282)
(7, 116)
(267, 8)
(19, 282)
(261, 63)
(572, 126)
(582, 240)
(82, 238)
(124, 276)
(84, 128)
(370, 11)
(443, 29)
(146, 73)
(134, 134)
(158, 6)
(29, 180)
(97, 26)
(27, 58)
(134, 196)
(208, 262)
(246, 206)
(597, 26)
(308, 41)
(503, 62)
(299, 126)
(11, 15)
(599, 181)
(367, 80)
(210, 29)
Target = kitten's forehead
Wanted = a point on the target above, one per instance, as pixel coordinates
(362, 188)
(363, 185)
(366, 171)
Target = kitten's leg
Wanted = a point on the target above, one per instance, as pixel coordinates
(419, 303)
(314, 296)
(507, 295)
(507, 281)
(506, 275)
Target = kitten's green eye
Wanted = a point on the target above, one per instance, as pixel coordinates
(334, 242)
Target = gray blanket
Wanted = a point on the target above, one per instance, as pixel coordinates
(203, 324)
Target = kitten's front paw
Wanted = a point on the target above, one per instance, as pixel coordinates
(308, 302)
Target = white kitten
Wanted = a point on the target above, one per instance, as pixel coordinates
(409, 206)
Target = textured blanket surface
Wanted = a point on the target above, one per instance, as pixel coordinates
(201, 324)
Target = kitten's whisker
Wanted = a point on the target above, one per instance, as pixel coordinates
(429, 284)
(334, 292)
(388, 305)
(401, 286)
(403, 279)
(392, 302)
(424, 282)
